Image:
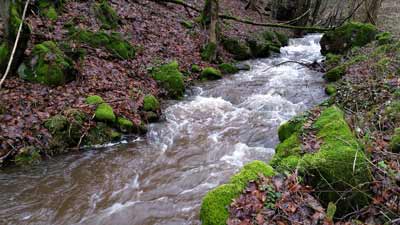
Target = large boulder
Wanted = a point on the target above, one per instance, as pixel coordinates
(343, 38)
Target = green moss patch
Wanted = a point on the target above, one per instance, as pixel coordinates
(339, 164)
(208, 52)
(106, 15)
(113, 42)
(335, 74)
(101, 134)
(49, 65)
(214, 207)
(330, 89)
(384, 38)
(238, 48)
(211, 73)
(94, 100)
(292, 126)
(104, 112)
(150, 103)
(352, 34)
(124, 124)
(395, 141)
(228, 68)
(4, 56)
(170, 78)
(196, 69)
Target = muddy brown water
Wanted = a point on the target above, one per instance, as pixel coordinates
(161, 179)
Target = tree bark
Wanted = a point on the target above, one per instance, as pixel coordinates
(5, 15)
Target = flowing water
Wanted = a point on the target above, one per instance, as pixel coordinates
(161, 179)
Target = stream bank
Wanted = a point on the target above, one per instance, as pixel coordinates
(204, 139)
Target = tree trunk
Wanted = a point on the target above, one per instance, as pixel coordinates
(211, 19)
(4, 15)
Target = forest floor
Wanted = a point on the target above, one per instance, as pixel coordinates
(156, 29)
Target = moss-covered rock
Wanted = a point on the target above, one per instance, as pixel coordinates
(196, 69)
(395, 141)
(214, 207)
(48, 65)
(352, 34)
(125, 125)
(170, 78)
(332, 60)
(292, 126)
(113, 42)
(27, 156)
(238, 48)
(339, 163)
(259, 47)
(384, 38)
(101, 134)
(211, 73)
(106, 15)
(228, 68)
(94, 100)
(104, 112)
(209, 51)
(335, 73)
(330, 89)
(150, 103)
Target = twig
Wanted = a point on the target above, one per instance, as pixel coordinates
(15, 44)
(285, 62)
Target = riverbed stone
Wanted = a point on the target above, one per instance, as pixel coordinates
(352, 34)
(214, 207)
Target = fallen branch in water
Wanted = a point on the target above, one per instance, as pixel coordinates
(308, 65)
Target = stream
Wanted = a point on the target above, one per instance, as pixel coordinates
(217, 128)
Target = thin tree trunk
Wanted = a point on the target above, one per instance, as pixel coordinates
(5, 15)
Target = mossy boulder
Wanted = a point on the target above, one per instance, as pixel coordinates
(330, 89)
(211, 73)
(48, 65)
(125, 125)
(259, 47)
(150, 103)
(113, 42)
(352, 34)
(94, 100)
(339, 164)
(228, 68)
(395, 141)
(214, 207)
(106, 14)
(238, 48)
(170, 78)
(332, 60)
(384, 38)
(335, 73)
(104, 112)
(275, 40)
